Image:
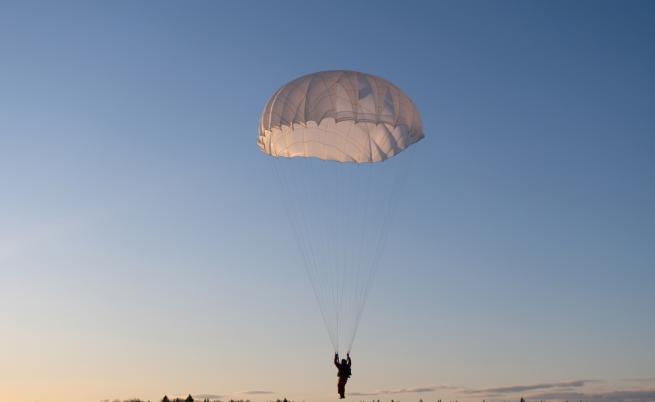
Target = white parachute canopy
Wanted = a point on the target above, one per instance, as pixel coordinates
(339, 212)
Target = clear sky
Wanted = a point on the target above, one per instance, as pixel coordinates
(143, 250)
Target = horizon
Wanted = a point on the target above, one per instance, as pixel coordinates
(144, 246)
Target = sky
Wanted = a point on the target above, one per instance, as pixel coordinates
(144, 250)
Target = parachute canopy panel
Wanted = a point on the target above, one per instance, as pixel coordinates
(344, 116)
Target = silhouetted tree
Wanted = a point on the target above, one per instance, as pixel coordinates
(522, 400)
(189, 398)
(165, 399)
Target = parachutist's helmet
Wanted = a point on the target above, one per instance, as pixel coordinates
(343, 361)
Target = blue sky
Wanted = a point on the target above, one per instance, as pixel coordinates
(138, 217)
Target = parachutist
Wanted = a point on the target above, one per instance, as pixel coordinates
(343, 374)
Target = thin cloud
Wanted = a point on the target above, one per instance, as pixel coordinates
(416, 390)
(220, 396)
(641, 380)
(522, 388)
(207, 396)
(639, 395)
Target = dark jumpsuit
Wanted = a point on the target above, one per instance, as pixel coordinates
(344, 374)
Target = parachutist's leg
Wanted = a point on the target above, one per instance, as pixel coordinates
(342, 387)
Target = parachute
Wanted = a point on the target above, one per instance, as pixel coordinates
(328, 134)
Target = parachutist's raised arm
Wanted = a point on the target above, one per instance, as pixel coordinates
(350, 362)
(336, 359)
